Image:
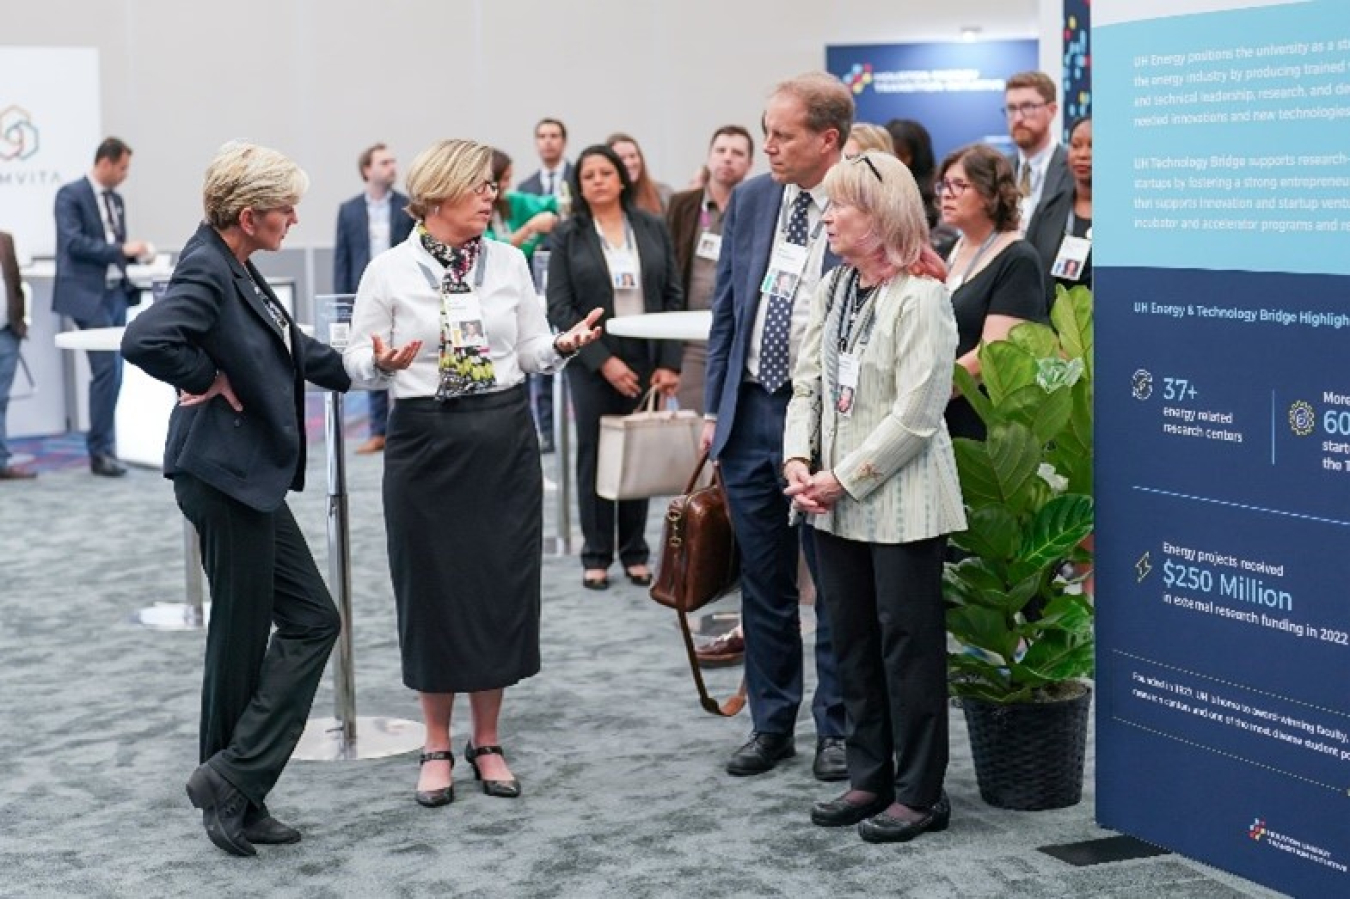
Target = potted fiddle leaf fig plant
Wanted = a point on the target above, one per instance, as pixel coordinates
(1015, 602)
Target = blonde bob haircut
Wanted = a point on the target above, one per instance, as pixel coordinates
(881, 187)
(243, 176)
(871, 137)
(444, 172)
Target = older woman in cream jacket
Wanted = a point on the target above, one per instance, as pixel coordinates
(869, 458)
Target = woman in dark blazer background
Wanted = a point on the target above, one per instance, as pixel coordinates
(606, 245)
(236, 445)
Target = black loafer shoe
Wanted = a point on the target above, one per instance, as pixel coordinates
(223, 808)
(839, 812)
(260, 828)
(831, 762)
(106, 466)
(761, 753)
(885, 829)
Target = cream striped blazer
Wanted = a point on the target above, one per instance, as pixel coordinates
(893, 456)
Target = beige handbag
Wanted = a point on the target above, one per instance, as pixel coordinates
(649, 453)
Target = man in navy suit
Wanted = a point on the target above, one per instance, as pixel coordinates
(553, 179)
(368, 224)
(92, 251)
(773, 255)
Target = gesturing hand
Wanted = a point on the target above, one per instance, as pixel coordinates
(219, 387)
(388, 359)
(583, 332)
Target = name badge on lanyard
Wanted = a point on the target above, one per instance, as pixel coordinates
(623, 269)
(848, 384)
(709, 246)
(464, 316)
(1072, 257)
(785, 270)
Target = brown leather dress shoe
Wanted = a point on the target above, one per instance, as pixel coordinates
(374, 445)
(728, 649)
(9, 473)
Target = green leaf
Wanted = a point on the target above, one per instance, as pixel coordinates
(1045, 414)
(1037, 339)
(982, 628)
(1055, 657)
(1005, 367)
(1000, 469)
(991, 533)
(1057, 527)
(1071, 315)
(970, 389)
(1071, 453)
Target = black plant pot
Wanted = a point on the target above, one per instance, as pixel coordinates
(1029, 756)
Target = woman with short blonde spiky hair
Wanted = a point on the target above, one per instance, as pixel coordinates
(236, 445)
(462, 483)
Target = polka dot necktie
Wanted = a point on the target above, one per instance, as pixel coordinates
(773, 350)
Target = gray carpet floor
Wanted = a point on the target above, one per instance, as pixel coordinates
(624, 789)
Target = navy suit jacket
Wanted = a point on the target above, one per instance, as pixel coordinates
(351, 253)
(83, 252)
(210, 319)
(535, 183)
(747, 241)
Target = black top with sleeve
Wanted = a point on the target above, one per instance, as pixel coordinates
(1011, 284)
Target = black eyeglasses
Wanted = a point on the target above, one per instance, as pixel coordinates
(862, 157)
(1025, 110)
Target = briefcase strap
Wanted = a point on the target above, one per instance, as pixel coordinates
(733, 704)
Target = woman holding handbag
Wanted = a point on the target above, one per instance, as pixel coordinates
(869, 459)
(462, 483)
(612, 255)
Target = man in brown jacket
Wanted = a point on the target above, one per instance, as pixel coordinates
(695, 220)
(13, 328)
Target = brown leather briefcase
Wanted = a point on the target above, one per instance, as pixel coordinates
(699, 563)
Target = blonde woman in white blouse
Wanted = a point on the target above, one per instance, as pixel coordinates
(869, 459)
(462, 484)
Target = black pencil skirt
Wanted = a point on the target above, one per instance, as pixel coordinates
(463, 494)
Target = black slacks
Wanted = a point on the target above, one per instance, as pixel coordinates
(592, 397)
(256, 693)
(890, 638)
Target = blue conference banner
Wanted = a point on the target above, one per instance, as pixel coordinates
(1223, 433)
(953, 89)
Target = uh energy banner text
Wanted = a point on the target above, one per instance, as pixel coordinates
(1223, 478)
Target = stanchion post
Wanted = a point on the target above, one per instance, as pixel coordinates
(340, 566)
(345, 736)
(192, 574)
(562, 443)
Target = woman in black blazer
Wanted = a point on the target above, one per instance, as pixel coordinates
(612, 255)
(236, 445)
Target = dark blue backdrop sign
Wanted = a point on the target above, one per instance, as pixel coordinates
(955, 89)
(1223, 436)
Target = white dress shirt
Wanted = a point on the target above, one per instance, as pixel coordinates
(1039, 164)
(806, 288)
(397, 300)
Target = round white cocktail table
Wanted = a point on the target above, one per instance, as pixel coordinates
(663, 325)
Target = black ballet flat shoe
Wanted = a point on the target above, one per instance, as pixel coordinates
(885, 829)
(502, 789)
(640, 580)
(445, 795)
(839, 812)
(595, 583)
